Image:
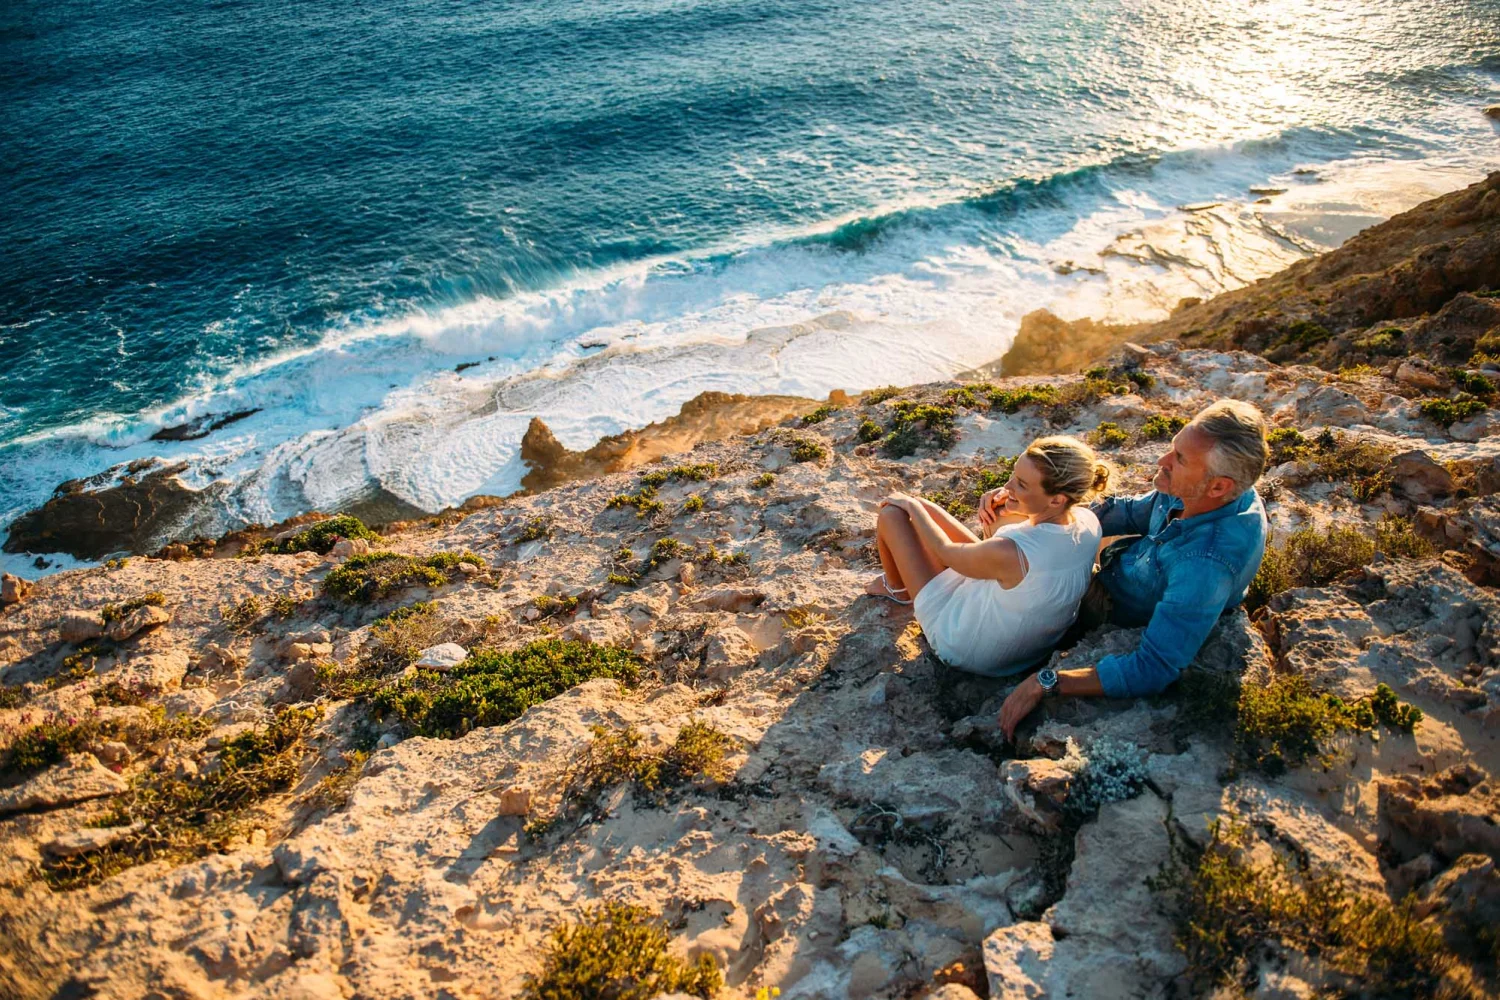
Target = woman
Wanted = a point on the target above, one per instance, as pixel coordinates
(997, 605)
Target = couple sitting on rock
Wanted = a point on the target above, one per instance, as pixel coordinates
(1176, 558)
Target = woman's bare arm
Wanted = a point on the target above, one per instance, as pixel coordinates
(992, 559)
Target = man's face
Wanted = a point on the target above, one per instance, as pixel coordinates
(1183, 471)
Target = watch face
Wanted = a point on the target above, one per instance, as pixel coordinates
(1047, 678)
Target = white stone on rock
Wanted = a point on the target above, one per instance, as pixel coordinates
(442, 657)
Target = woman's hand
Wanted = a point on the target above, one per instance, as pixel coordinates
(905, 501)
(990, 506)
(1020, 703)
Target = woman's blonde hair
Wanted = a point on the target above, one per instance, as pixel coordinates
(1070, 467)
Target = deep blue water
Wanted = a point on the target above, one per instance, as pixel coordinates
(192, 187)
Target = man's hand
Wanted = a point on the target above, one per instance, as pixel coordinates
(1020, 703)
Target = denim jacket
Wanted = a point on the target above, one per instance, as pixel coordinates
(1177, 579)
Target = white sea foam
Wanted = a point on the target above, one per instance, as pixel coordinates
(381, 404)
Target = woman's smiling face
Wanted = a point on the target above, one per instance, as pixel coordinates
(1025, 494)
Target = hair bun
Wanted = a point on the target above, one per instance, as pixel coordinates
(1103, 475)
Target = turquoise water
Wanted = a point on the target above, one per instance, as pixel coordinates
(309, 207)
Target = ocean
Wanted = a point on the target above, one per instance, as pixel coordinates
(396, 232)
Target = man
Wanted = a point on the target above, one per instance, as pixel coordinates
(1202, 534)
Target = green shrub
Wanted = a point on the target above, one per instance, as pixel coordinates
(319, 537)
(112, 613)
(763, 480)
(551, 606)
(1284, 724)
(621, 579)
(1310, 558)
(869, 431)
(643, 500)
(1396, 536)
(1447, 412)
(963, 499)
(873, 396)
(1158, 427)
(373, 575)
(619, 755)
(699, 473)
(973, 396)
(1231, 914)
(819, 415)
(807, 449)
(920, 425)
(693, 504)
(1386, 342)
(184, 817)
(1142, 380)
(1287, 444)
(535, 529)
(656, 478)
(1011, 400)
(1473, 383)
(1109, 435)
(242, 616)
(617, 952)
(492, 688)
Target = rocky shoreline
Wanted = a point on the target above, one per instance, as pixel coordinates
(322, 761)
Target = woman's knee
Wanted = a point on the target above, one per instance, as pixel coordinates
(892, 516)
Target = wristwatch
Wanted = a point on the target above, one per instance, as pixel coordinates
(1047, 678)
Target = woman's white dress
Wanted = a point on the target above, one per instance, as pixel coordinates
(979, 626)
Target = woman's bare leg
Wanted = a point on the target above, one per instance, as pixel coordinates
(907, 563)
(955, 529)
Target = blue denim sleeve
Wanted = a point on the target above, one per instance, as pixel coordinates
(1125, 515)
(1198, 588)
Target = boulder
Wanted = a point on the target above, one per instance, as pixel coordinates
(1453, 813)
(79, 626)
(141, 618)
(1417, 376)
(515, 800)
(80, 778)
(1419, 476)
(13, 589)
(442, 657)
(113, 752)
(1016, 959)
(1493, 111)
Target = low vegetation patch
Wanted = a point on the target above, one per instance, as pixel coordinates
(763, 480)
(920, 425)
(1232, 914)
(693, 504)
(806, 449)
(617, 952)
(246, 616)
(492, 688)
(112, 613)
(1159, 427)
(819, 415)
(182, 818)
(1359, 464)
(319, 537)
(644, 501)
(1109, 435)
(1385, 342)
(1012, 400)
(536, 529)
(1447, 412)
(1285, 723)
(699, 473)
(869, 431)
(873, 396)
(552, 607)
(620, 756)
(1310, 558)
(53, 737)
(374, 575)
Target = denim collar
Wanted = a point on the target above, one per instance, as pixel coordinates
(1237, 506)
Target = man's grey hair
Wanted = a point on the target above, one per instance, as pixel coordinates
(1240, 451)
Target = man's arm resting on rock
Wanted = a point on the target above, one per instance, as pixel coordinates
(1197, 590)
